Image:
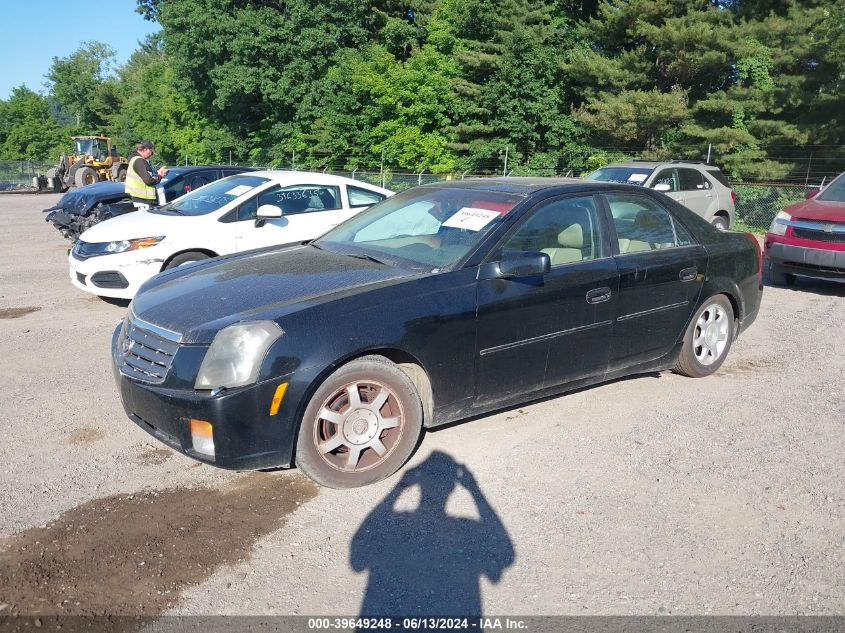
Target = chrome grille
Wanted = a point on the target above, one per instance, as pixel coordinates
(147, 351)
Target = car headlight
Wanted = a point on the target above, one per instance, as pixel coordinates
(235, 355)
(121, 246)
(779, 225)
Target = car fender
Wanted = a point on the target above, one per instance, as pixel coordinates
(181, 251)
(725, 286)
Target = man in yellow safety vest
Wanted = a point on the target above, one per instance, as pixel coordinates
(141, 180)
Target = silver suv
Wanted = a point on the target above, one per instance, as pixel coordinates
(698, 186)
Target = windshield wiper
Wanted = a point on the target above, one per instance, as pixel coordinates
(368, 257)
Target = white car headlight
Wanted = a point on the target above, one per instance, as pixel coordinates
(778, 226)
(235, 355)
(122, 246)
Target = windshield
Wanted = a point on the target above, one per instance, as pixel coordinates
(629, 175)
(84, 146)
(834, 192)
(433, 228)
(213, 196)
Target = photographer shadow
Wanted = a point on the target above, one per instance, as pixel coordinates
(426, 562)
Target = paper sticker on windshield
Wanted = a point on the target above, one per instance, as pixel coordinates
(637, 177)
(471, 218)
(238, 191)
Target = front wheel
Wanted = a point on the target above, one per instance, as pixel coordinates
(185, 258)
(707, 339)
(360, 426)
(85, 176)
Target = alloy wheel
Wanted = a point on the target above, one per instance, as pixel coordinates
(358, 426)
(710, 337)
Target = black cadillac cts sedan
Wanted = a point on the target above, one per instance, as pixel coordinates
(443, 302)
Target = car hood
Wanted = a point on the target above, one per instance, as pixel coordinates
(820, 210)
(78, 201)
(198, 300)
(137, 224)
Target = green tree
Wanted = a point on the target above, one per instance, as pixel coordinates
(378, 106)
(153, 106)
(84, 86)
(255, 67)
(512, 91)
(28, 128)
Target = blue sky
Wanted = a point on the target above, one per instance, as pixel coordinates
(36, 31)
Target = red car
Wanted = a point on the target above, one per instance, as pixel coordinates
(807, 239)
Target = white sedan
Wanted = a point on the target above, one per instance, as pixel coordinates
(238, 213)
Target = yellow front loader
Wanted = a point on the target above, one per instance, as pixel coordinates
(93, 160)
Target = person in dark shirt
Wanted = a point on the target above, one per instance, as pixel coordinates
(141, 180)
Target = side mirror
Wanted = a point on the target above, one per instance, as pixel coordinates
(523, 264)
(266, 212)
(811, 193)
(662, 187)
(269, 211)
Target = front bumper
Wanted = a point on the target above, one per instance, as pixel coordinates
(246, 436)
(118, 276)
(805, 261)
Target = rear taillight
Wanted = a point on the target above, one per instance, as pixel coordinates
(753, 239)
(733, 196)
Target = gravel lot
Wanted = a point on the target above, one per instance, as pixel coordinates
(653, 495)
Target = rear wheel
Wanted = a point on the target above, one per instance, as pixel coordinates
(85, 176)
(360, 426)
(708, 338)
(720, 222)
(779, 277)
(185, 258)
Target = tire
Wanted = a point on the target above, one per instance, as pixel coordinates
(780, 278)
(708, 338)
(119, 173)
(720, 222)
(185, 258)
(342, 444)
(85, 176)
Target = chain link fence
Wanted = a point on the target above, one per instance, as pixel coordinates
(17, 175)
(756, 204)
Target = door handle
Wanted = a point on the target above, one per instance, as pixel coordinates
(598, 295)
(688, 274)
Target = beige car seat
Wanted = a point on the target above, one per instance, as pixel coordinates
(649, 232)
(571, 241)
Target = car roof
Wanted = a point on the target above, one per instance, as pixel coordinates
(652, 164)
(518, 185)
(187, 169)
(287, 177)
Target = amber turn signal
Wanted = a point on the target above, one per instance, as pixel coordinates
(277, 398)
(202, 437)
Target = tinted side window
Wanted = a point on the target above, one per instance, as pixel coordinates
(362, 197)
(249, 209)
(718, 175)
(185, 183)
(304, 199)
(566, 230)
(667, 177)
(691, 180)
(292, 200)
(643, 225)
